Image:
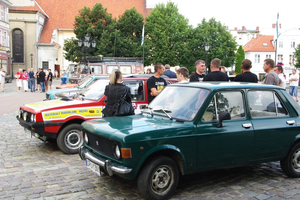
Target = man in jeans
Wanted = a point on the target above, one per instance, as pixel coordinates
(31, 80)
(41, 79)
(294, 84)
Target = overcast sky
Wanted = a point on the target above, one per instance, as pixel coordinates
(238, 13)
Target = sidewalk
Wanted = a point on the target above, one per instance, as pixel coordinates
(11, 99)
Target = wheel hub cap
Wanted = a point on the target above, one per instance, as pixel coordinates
(296, 160)
(161, 179)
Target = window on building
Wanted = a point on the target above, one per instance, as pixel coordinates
(45, 65)
(5, 42)
(265, 44)
(1, 42)
(268, 56)
(292, 44)
(280, 57)
(291, 59)
(280, 44)
(18, 46)
(257, 58)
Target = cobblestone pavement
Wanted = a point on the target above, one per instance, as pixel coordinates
(31, 169)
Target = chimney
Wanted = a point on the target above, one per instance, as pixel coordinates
(235, 28)
(243, 28)
(257, 28)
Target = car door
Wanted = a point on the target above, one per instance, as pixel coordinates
(231, 144)
(274, 127)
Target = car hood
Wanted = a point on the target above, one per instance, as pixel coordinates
(135, 127)
(56, 91)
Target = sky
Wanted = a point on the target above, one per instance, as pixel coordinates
(238, 13)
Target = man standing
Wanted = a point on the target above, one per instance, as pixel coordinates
(155, 83)
(182, 75)
(199, 74)
(271, 78)
(216, 74)
(41, 80)
(2, 79)
(278, 69)
(49, 79)
(246, 76)
(294, 84)
(168, 72)
(31, 80)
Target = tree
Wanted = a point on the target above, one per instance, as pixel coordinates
(165, 35)
(240, 56)
(297, 56)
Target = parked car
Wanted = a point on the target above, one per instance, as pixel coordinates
(61, 119)
(194, 127)
(69, 92)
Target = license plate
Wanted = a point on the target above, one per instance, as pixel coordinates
(93, 167)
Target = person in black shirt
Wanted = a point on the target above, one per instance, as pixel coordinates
(199, 74)
(41, 79)
(49, 79)
(246, 75)
(216, 74)
(155, 83)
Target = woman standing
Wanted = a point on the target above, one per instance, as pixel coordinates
(19, 79)
(25, 80)
(114, 91)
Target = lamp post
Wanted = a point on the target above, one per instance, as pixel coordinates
(9, 60)
(86, 44)
(206, 52)
(31, 56)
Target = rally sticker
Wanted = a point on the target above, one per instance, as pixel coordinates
(62, 114)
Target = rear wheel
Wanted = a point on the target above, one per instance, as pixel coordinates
(291, 163)
(69, 139)
(159, 178)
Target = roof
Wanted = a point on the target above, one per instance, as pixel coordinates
(34, 8)
(62, 13)
(263, 43)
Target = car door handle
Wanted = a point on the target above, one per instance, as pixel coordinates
(290, 122)
(248, 125)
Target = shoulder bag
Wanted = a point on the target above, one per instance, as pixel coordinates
(123, 107)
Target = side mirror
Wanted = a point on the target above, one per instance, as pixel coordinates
(223, 116)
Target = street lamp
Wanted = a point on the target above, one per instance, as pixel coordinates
(31, 55)
(206, 52)
(87, 44)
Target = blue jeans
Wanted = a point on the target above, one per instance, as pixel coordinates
(31, 82)
(294, 90)
(43, 86)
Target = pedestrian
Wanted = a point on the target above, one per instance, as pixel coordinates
(25, 80)
(246, 75)
(31, 80)
(216, 74)
(168, 72)
(271, 77)
(37, 76)
(19, 79)
(199, 74)
(183, 75)
(29, 85)
(49, 79)
(294, 84)
(223, 69)
(46, 78)
(279, 70)
(2, 79)
(155, 83)
(114, 92)
(148, 71)
(42, 76)
(56, 74)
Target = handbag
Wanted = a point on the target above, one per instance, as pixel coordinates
(123, 107)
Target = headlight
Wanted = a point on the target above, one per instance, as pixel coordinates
(20, 113)
(25, 116)
(32, 118)
(86, 139)
(117, 151)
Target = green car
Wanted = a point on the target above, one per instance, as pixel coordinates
(195, 127)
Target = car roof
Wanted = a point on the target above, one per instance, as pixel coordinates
(224, 85)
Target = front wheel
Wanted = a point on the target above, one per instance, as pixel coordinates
(158, 179)
(291, 163)
(69, 139)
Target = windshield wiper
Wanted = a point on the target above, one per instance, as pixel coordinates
(165, 111)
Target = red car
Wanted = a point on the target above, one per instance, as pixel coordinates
(61, 119)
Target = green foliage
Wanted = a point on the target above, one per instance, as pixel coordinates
(240, 56)
(72, 53)
(297, 56)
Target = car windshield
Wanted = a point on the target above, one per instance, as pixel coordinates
(94, 91)
(84, 81)
(175, 102)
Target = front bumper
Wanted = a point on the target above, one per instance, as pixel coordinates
(109, 167)
(36, 127)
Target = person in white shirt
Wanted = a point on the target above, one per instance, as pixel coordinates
(183, 75)
(2, 79)
(294, 84)
(278, 69)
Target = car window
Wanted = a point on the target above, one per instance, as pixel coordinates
(94, 91)
(265, 104)
(232, 102)
(136, 90)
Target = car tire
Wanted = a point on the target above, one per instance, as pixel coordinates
(69, 139)
(158, 179)
(290, 165)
